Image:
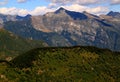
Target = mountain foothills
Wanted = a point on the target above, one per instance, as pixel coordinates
(64, 64)
(68, 28)
(12, 45)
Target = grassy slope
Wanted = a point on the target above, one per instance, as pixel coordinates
(73, 64)
(11, 45)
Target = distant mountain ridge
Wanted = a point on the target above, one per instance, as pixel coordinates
(114, 14)
(12, 45)
(69, 28)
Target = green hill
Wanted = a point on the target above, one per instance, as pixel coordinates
(12, 45)
(65, 64)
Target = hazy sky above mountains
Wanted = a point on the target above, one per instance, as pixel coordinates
(38, 7)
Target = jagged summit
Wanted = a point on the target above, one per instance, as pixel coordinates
(114, 14)
(73, 14)
(111, 13)
(28, 15)
(21, 17)
(59, 10)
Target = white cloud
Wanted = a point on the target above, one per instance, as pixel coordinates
(76, 7)
(41, 10)
(84, 2)
(98, 10)
(60, 1)
(113, 2)
(22, 1)
(13, 11)
(52, 5)
(24, 12)
(3, 2)
(94, 10)
(81, 2)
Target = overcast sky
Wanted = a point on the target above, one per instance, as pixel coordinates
(39, 7)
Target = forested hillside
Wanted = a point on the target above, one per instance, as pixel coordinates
(12, 45)
(65, 64)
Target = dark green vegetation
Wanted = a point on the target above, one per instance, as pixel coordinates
(12, 45)
(66, 64)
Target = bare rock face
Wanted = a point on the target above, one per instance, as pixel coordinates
(114, 14)
(69, 28)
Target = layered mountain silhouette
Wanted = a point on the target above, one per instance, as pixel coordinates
(72, 55)
(114, 14)
(12, 45)
(68, 28)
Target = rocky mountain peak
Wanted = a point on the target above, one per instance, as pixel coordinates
(28, 16)
(114, 14)
(22, 18)
(60, 10)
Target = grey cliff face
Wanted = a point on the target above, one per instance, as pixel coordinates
(69, 28)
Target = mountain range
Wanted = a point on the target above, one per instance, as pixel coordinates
(67, 28)
(45, 48)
